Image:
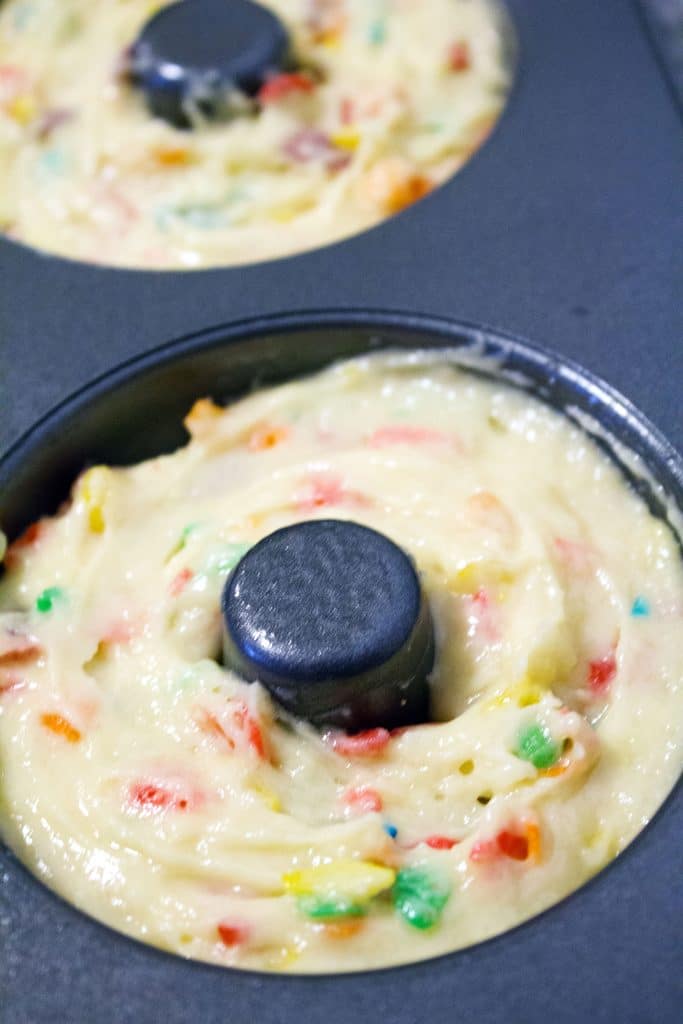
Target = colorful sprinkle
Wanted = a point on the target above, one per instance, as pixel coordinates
(267, 436)
(377, 33)
(640, 607)
(226, 558)
(364, 799)
(151, 796)
(354, 881)
(438, 842)
(51, 596)
(536, 745)
(180, 582)
(390, 830)
(94, 488)
(60, 726)
(370, 743)
(232, 934)
(601, 672)
(459, 58)
(322, 908)
(282, 86)
(420, 896)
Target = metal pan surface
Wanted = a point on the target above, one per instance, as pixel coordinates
(61, 965)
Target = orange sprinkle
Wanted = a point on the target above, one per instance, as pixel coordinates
(343, 929)
(210, 725)
(406, 192)
(554, 771)
(533, 835)
(267, 436)
(60, 726)
(172, 156)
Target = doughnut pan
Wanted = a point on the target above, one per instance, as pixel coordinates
(565, 229)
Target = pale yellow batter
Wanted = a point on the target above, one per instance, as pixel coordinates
(159, 793)
(404, 92)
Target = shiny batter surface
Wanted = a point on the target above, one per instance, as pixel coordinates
(394, 97)
(161, 794)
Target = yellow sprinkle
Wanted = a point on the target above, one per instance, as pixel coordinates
(346, 138)
(523, 694)
(282, 959)
(94, 489)
(350, 879)
(22, 108)
(475, 574)
(270, 799)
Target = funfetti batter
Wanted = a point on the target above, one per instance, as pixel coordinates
(164, 796)
(393, 98)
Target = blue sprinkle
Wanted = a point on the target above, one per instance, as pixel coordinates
(377, 33)
(640, 607)
(53, 161)
(391, 830)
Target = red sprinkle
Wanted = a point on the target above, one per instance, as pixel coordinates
(232, 934)
(364, 798)
(601, 672)
(459, 58)
(180, 581)
(360, 744)
(482, 611)
(154, 796)
(284, 85)
(248, 725)
(512, 845)
(440, 842)
(506, 844)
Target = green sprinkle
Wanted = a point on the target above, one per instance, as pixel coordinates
(377, 33)
(225, 559)
(185, 534)
(46, 601)
(202, 216)
(640, 608)
(328, 909)
(537, 746)
(420, 896)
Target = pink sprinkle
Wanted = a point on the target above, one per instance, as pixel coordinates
(404, 434)
(347, 110)
(364, 798)
(601, 672)
(310, 145)
(484, 850)
(483, 615)
(576, 556)
(361, 744)
(323, 489)
(180, 581)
